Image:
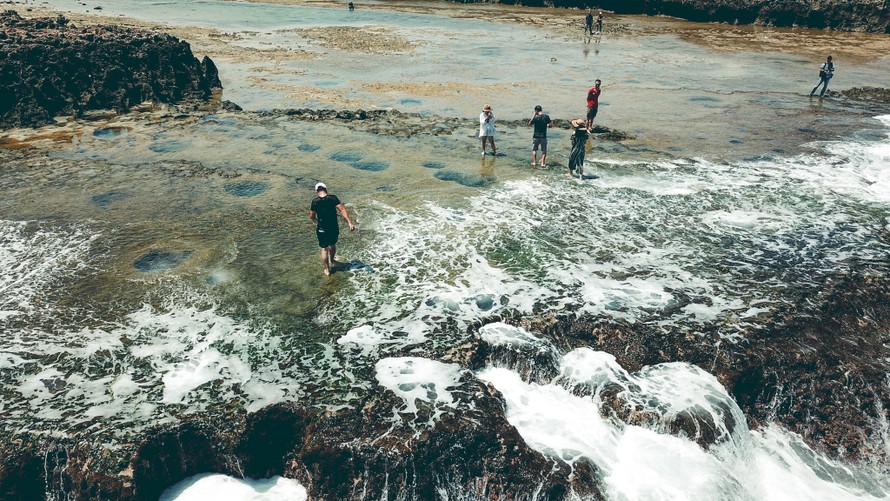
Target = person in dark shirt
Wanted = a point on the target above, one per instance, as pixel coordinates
(599, 23)
(541, 122)
(588, 23)
(323, 212)
(826, 71)
(579, 145)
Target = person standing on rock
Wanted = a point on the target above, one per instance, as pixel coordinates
(323, 212)
(826, 71)
(588, 23)
(541, 122)
(486, 128)
(593, 100)
(599, 23)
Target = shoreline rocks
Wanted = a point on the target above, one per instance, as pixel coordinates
(49, 67)
(846, 15)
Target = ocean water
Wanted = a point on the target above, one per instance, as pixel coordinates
(171, 270)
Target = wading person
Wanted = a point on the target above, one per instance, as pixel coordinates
(599, 23)
(323, 212)
(579, 145)
(588, 23)
(593, 103)
(826, 71)
(541, 122)
(486, 128)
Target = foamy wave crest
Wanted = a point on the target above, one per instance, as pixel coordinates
(156, 359)
(685, 242)
(33, 255)
(675, 433)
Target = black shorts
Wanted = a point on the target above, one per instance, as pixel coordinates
(327, 236)
(591, 111)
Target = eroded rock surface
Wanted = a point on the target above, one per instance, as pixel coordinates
(49, 67)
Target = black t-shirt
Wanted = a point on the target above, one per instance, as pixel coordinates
(325, 209)
(540, 122)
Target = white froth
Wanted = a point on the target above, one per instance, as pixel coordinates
(501, 334)
(225, 488)
(369, 339)
(414, 379)
(33, 255)
(647, 462)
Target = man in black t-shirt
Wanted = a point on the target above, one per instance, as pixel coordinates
(323, 212)
(541, 122)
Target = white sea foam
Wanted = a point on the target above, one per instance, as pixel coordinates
(35, 254)
(703, 241)
(501, 334)
(414, 379)
(225, 488)
(183, 355)
(646, 462)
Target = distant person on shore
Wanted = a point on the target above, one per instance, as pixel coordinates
(541, 122)
(599, 23)
(826, 71)
(579, 146)
(588, 23)
(486, 128)
(323, 212)
(593, 103)
(351, 6)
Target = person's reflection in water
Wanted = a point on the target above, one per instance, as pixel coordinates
(487, 170)
(586, 49)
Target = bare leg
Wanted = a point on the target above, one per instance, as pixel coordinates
(483, 144)
(332, 253)
(544, 159)
(535, 158)
(324, 260)
(494, 150)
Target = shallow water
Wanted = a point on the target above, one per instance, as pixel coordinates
(172, 268)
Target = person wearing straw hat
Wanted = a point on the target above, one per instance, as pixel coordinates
(323, 212)
(486, 128)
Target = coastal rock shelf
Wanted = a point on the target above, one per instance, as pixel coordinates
(49, 67)
(850, 15)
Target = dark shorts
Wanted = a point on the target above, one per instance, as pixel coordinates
(327, 236)
(539, 141)
(591, 111)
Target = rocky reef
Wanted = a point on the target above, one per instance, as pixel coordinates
(49, 67)
(848, 15)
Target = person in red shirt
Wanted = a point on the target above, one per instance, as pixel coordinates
(593, 97)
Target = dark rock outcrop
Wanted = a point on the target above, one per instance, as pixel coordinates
(372, 451)
(818, 369)
(849, 15)
(49, 67)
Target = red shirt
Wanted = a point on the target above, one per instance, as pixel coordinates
(593, 96)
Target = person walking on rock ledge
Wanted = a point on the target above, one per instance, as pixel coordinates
(826, 71)
(323, 212)
(486, 128)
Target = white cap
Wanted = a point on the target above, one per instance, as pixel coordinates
(321, 186)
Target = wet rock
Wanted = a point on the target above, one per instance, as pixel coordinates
(850, 15)
(170, 454)
(49, 67)
(272, 437)
(503, 345)
(474, 453)
(229, 106)
(817, 369)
